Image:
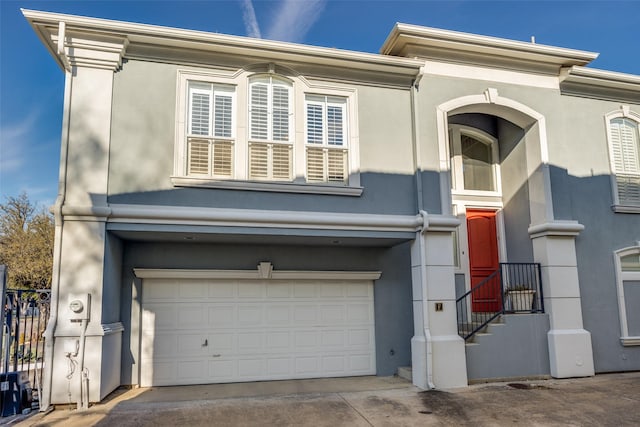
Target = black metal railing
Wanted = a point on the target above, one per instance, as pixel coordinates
(515, 287)
(24, 319)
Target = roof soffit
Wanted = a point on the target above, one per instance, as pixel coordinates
(146, 37)
(608, 85)
(452, 46)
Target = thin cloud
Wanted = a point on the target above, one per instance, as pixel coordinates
(249, 17)
(12, 142)
(294, 19)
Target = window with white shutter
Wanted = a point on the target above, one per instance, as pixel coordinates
(210, 130)
(625, 158)
(270, 141)
(327, 153)
(238, 130)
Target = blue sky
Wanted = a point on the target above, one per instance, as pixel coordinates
(32, 85)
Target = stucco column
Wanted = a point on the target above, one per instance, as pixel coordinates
(570, 352)
(437, 351)
(81, 213)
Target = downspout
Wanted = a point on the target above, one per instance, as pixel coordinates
(425, 219)
(56, 209)
(426, 321)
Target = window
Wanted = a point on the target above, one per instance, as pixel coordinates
(627, 262)
(270, 142)
(326, 148)
(473, 160)
(265, 132)
(624, 147)
(210, 130)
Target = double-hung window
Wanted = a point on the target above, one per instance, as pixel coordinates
(270, 124)
(210, 130)
(326, 139)
(624, 139)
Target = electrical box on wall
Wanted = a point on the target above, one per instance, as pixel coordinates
(79, 307)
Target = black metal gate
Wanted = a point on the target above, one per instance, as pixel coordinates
(24, 320)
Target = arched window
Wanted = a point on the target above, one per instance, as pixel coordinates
(270, 124)
(624, 148)
(627, 262)
(474, 160)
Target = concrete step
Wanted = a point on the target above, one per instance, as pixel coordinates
(405, 372)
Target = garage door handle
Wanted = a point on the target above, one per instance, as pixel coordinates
(215, 355)
(206, 343)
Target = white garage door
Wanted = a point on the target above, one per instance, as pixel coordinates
(217, 331)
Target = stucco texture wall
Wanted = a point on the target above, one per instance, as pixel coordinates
(143, 137)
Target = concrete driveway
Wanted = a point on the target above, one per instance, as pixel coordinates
(604, 400)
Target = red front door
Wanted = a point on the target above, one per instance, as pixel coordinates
(483, 260)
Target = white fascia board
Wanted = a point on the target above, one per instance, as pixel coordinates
(600, 83)
(404, 38)
(45, 22)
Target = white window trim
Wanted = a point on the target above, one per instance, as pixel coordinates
(623, 112)
(621, 277)
(300, 87)
(457, 177)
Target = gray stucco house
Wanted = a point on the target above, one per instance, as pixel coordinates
(234, 209)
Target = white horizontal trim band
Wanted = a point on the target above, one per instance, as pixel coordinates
(150, 273)
(262, 218)
(281, 187)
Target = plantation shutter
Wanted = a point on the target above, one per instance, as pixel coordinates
(327, 156)
(259, 111)
(269, 121)
(280, 113)
(200, 114)
(210, 130)
(314, 124)
(626, 158)
(335, 125)
(223, 115)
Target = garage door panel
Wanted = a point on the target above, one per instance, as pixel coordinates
(332, 338)
(223, 342)
(359, 290)
(191, 370)
(251, 290)
(332, 313)
(359, 313)
(250, 369)
(278, 314)
(334, 364)
(307, 365)
(223, 290)
(222, 316)
(160, 316)
(195, 290)
(192, 344)
(360, 337)
(223, 370)
(162, 290)
(361, 363)
(279, 290)
(250, 315)
(278, 341)
(255, 330)
(164, 345)
(304, 290)
(306, 340)
(192, 315)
